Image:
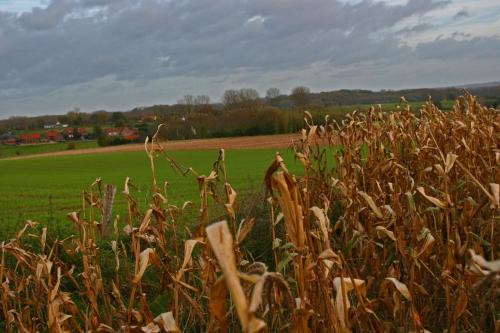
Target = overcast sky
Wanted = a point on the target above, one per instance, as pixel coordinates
(116, 54)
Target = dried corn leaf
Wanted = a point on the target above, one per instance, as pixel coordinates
(323, 222)
(244, 229)
(434, 200)
(166, 321)
(450, 161)
(492, 266)
(221, 241)
(380, 229)
(217, 302)
(371, 204)
(401, 287)
(343, 286)
(495, 192)
(144, 258)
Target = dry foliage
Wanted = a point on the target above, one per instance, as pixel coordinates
(392, 228)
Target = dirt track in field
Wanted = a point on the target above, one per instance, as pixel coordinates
(246, 142)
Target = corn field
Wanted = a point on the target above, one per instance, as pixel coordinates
(393, 226)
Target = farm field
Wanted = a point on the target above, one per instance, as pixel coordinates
(42, 148)
(248, 142)
(45, 189)
(387, 224)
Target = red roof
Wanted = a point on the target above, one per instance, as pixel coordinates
(30, 137)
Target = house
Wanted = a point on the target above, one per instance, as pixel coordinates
(30, 137)
(122, 132)
(54, 136)
(82, 132)
(8, 139)
(56, 125)
(68, 133)
(11, 142)
(112, 132)
(130, 134)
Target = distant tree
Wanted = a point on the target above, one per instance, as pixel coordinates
(272, 93)
(231, 98)
(118, 118)
(194, 102)
(301, 96)
(75, 117)
(40, 123)
(249, 97)
(78, 121)
(98, 117)
(97, 132)
(243, 98)
(202, 100)
(189, 100)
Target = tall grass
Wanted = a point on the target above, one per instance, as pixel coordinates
(392, 228)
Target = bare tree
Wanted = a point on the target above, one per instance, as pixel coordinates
(243, 98)
(189, 100)
(301, 96)
(249, 97)
(272, 93)
(231, 98)
(202, 100)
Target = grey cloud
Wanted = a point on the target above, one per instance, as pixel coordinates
(72, 42)
(128, 38)
(415, 29)
(48, 18)
(461, 14)
(475, 49)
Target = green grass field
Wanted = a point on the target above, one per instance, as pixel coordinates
(22, 150)
(45, 189)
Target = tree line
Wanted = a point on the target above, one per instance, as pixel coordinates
(240, 111)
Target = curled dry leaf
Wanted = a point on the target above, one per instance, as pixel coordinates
(343, 286)
(380, 229)
(244, 229)
(450, 161)
(434, 200)
(461, 304)
(144, 258)
(491, 266)
(167, 322)
(495, 193)
(151, 328)
(221, 241)
(401, 287)
(426, 247)
(371, 204)
(145, 221)
(188, 251)
(323, 221)
(289, 203)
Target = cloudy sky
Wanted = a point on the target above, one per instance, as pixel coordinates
(116, 54)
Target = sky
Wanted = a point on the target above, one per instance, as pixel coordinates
(56, 55)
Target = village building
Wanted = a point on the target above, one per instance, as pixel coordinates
(54, 136)
(30, 138)
(8, 139)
